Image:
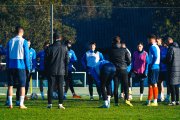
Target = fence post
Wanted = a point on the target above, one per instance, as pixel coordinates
(51, 23)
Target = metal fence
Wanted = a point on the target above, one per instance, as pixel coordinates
(83, 24)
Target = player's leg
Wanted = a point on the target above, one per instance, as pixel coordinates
(11, 76)
(177, 94)
(22, 83)
(130, 86)
(159, 89)
(59, 80)
(50, 89)
(162, 91)
(67, 80)
(71, 86)
(27, 85)
(155, 88)
(124, 79)
(116, 86)
(18, 96)
(42, 74)
(141, 88)
(173, 102)
(90, 83)
(104, 78)
(168, 87)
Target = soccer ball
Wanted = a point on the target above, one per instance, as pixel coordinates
(34, 96)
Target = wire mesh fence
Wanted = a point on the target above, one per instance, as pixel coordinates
(83, 24)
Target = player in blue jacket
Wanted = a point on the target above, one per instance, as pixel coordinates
(32, 56)
(71, 68)
(89, 61)
(40, 60)
(103, 73)
(153, 74)
(18, 65)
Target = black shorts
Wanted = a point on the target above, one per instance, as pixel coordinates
(153, 76)
(42, 75)
(17, 77)
(163, 75)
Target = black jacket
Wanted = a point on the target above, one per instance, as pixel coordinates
(120, 57)
(173, 60)
(56, 59)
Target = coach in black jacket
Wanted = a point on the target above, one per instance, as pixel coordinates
(56, 66)
(173, 60)
(120, 57)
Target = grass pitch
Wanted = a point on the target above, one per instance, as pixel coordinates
(84, 109)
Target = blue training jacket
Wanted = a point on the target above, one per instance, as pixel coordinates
(18, 53)
(32, 55)
(163, 52)
(154, 56)
(41, 56)
(72, 58)
(91, 58)
(95, 72)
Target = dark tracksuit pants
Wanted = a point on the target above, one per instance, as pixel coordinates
(141, 81)
(90, 82)
(106, 75)
(174, 92)
(27, 83)
(69, 82)
(58, 80)
(121, 76)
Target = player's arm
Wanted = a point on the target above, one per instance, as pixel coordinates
(26, 55)
(127, 58)
(34, 60)
(147, 64)
(101, 56)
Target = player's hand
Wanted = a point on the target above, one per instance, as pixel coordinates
(33, 70)
(27, 72)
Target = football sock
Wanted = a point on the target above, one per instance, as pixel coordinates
(10, 100)
(150, 93)
(155, 92)
(106, 102)
(109, 98)
(21, 100)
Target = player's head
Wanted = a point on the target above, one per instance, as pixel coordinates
(68, 43)
(140, 46)
(46, 44)
(170, 40)
(116, 41)
(19, 31)
(152, 39)
(159, 41)
(92, 46)
(57, 36)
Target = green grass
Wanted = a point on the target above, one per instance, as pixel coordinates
(83, 109)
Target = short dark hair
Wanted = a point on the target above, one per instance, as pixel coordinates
(46, 43)
(140, 43)
(56, 35)
(92, 43)
(152, 36)
(18, 28)
(116, 39)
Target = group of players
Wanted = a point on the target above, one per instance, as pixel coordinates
(161, 63)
